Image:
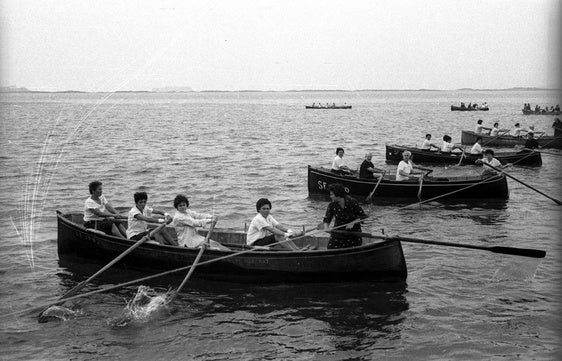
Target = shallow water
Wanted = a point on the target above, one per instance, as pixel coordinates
(226, 150)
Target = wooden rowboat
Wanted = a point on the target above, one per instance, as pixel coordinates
(523, 157)
(328, 107)
(540, 112)
(381, 261)
(469, 138)
(466, 187)
(467, 109)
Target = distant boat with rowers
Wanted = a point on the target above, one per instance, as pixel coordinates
(523, 157)
(540, 112)
(470, 108)
(495, 187)
(468, 137)
(327, 106)
(373, 261)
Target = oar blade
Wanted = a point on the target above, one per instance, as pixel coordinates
(525, 252)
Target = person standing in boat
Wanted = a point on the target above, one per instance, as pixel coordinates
(480, 128)
(427, 145)
(344, 210)
(477, 147)
(405, 169)
(367, 168)
(338, 165)
(489, 159)
(186, 222)
(265, 230)
(448, 146)
(139, 217)
(99, 214)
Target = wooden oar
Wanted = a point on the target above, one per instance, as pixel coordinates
(370, 196)
(81, 285)
(525, 252)
(525, 184)
(462, 156)
(192, 268)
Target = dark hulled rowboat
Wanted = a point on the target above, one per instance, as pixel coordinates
(540, 112)
(381, 261)
(328, 107)
(523, 157)
(494, 187)
(466, 109)
(469, 138)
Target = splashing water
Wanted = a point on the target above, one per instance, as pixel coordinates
(144, 306)
(58, 313)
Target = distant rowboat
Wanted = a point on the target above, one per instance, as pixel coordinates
(467, 109)
(540, 112)
(468, 137)
(328, 107)
(523, 157)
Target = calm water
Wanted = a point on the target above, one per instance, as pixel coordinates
(226, 150)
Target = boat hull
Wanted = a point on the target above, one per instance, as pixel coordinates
(394, 156)
(319, 180)
(540, 112)
(330, 107)
(469, 137)
(382, 261)
(455, 108)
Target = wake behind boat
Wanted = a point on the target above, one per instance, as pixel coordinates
(380, 261)
(468, 137)
(523, 157)
(320, 178)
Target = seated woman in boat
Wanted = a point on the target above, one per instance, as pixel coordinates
(344, 210)
(477, 147)
(186, 222)
(427, 145)
(496, 131)
(264, 230)
(489, 159)
(139, 217)
(338, 165)
(368, 168)
(480, 128)
(531, 142)
(405, 169)
(516, 131)
(448, 146)
(99, 214)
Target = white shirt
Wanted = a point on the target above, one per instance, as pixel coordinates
(494, 131)
(186, 223)
(406, 167)
(516, 132)
(90, 205)
(447, 147)
(476, 149)
(337, 163)
(135, 225)
(426, 144)
(478, 129)
(257, 228)
(494, 162)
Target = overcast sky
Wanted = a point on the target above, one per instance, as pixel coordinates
(101, 45)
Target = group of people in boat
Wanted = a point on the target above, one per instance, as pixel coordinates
(516, 131)
(538, 109)
(474, 106)
(320, 105)
(264, 232)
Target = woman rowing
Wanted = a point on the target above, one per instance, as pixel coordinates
(405, 169)
(338, 165)
(99, 214)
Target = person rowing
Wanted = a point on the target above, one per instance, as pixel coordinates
(489, 159)
(338, 164)
(427, 144)
(367, 168)
(405, 169)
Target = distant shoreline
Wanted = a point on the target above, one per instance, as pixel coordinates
(12, 89)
